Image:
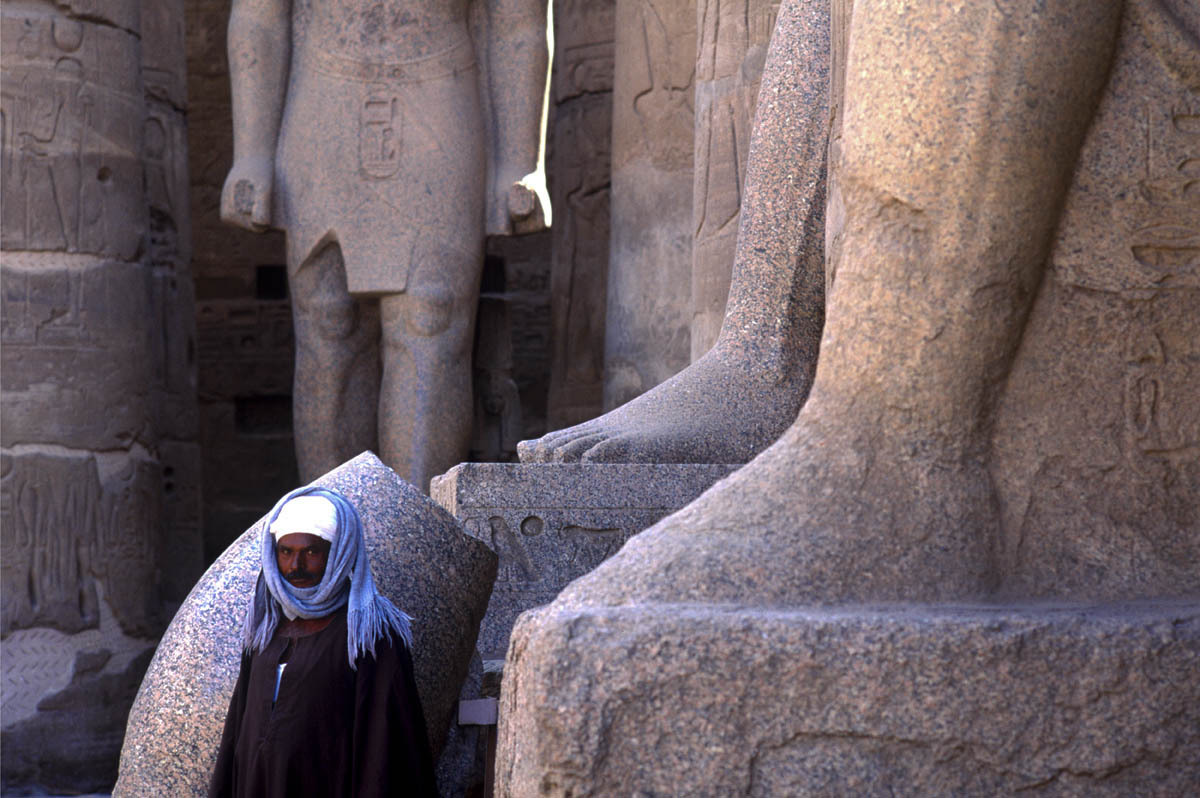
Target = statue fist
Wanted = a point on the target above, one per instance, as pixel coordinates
(246, 197)
(515, 211)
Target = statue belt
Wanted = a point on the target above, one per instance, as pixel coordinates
(455, 58)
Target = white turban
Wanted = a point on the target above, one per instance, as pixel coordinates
(311, 515)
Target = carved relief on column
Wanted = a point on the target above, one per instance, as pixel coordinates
(169, 254)
(72, 135)
(580, 177)
(98, 419)
(1110, 360)
(732, 38)
(650, 259)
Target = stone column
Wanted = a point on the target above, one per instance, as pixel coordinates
(98, 479)
(650, 259)
(731, 49)
(580, 174)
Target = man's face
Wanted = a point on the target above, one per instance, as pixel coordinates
(302, 558)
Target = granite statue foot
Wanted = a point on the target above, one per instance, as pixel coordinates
(834, 511)
(718, 410)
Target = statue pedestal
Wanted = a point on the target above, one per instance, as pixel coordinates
(551, 523)
(975, 700)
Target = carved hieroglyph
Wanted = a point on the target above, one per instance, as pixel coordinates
(1098, 434)
(99, 467)
(72, 130)
(550, 524)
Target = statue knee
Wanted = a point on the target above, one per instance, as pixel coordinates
(429, 310)
(329, 318)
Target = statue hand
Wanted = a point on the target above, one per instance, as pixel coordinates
(515, 211)
(246, 197)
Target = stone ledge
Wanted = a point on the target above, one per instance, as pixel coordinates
(904, 701)
(595, 486)
(550, 523)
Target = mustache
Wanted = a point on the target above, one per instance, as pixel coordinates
(296, 575)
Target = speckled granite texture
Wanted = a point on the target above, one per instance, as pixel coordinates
(420, 559)
(550, 523)
(899, 701)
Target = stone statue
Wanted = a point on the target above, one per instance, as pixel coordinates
(737, 397)
(731, 50)
(946, 414)
(361, 129)
(1003, 413)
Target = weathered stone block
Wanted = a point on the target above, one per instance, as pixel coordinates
(904, 701)
(79, 528)
(551, 523)
(420, 559)
(76, 341)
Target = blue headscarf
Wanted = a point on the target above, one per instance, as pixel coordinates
(347, 580)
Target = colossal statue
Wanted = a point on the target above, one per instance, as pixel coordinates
(385, 139)
(971, 563)
(985, 266)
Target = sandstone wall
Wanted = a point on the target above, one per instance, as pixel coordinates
(580, 179)
(100, 459)
(650, 256)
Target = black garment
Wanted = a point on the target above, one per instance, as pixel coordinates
(334, 732)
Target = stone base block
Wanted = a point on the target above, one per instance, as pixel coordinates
(914, 701)
(551, 523)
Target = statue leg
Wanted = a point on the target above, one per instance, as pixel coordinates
(425, 404)
(961, 129)
(738, 397)
(336, 388)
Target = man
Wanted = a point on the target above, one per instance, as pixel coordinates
(386, 138)
(325, 703)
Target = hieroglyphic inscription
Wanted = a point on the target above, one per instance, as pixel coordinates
(1166, 242)
(76, 358)
(1162, 380)
(550, 524)
(654, 76)
(245, 348)
(379, 133)
(72, 135)
(69, 523)
(561, 551)
(515, 564)
(590, 546)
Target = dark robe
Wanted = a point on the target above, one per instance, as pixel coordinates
(333, 731)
